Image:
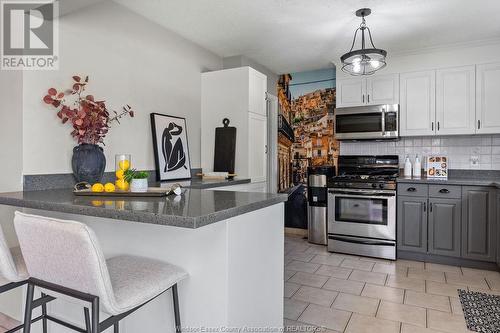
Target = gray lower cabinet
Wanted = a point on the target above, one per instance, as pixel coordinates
(479, 223)
(498, 228)
(444, 227)
(412, 223)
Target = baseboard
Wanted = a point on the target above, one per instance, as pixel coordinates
(432, 258)
(296, 232)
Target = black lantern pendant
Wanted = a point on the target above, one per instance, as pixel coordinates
(364, 61)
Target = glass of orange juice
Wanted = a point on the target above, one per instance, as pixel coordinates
(123, 162)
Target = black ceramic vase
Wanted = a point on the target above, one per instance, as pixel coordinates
(88, 163)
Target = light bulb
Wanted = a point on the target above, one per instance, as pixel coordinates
(356, 60)
(375, 63)
(356, 68)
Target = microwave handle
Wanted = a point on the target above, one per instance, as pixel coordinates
(383, 121)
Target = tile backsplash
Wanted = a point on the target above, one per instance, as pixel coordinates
(461, 150)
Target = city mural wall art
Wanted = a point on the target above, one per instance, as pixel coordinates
(307, 102)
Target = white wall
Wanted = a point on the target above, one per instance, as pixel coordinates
(129, 60)
(449, 56)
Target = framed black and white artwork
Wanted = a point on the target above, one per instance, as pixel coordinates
(170, 146)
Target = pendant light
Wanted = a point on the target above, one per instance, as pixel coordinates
(364, 61)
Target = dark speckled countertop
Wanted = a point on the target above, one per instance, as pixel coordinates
(471, 181)
(193, 209)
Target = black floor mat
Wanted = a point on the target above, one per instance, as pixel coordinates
(481, 311)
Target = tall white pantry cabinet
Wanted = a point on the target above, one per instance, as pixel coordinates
(238, 94)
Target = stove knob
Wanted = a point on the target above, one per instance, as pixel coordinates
(381, 185)
(374, 185)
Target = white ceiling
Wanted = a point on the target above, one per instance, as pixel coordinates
(295, 35)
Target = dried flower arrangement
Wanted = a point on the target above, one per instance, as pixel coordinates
(89, 118)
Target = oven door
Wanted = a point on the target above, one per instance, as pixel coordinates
(362, 213)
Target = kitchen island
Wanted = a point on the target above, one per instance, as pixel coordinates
(230, 243)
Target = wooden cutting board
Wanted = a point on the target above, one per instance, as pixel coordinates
(152, 192)
(225, 148)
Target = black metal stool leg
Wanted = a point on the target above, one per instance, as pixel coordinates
(87, 320)
(28, 308)
(95, 315)
(177, 316)
(116, 328)
(44, 314)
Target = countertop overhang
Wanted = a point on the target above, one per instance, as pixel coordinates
(195, 208)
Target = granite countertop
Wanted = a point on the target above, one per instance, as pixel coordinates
(479, 181)
(200, 183)
(193, 209)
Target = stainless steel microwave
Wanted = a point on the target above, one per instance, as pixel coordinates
(374, 122)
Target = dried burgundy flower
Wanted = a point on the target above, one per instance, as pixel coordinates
(90, 119)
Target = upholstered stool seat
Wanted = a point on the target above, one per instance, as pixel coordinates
(64, 257)
(136, 280)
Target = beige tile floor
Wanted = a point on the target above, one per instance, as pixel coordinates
(332, 292)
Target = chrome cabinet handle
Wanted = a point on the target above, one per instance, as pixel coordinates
(438, 126)
(363, 98)
(478, 124)
(444, 190)
(425, 206)
(368, 98)
(432, 125)
(411, 189)
(430, 207)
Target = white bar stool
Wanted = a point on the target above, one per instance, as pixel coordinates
(64, 257)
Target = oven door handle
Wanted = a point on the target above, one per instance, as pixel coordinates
(358, 240)
(361, 195)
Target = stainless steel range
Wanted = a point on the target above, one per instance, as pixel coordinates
(362, 206)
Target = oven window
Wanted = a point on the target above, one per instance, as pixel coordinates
(361, 210)
(355, 123)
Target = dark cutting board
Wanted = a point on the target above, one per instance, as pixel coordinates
(225, 147)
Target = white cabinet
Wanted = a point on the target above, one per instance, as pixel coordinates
(455, 100)
(488, 98)
(256, 85)
(238, 94)
(351, 92)
(382, 89)
(418, 103)
(257, 152)
(374, 90)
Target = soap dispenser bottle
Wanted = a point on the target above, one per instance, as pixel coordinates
(407, 170)
(417, 167)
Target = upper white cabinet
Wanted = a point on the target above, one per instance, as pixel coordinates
(351, 92)
(488, 98)
(257, 85)
(455, 100)
(238, 94)
(383, 89)
(418, 103)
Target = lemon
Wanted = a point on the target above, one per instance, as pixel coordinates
(109, 187)
(120, 174)
(97, 203)
(97, 187)
(122, 184)
(124, 165)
